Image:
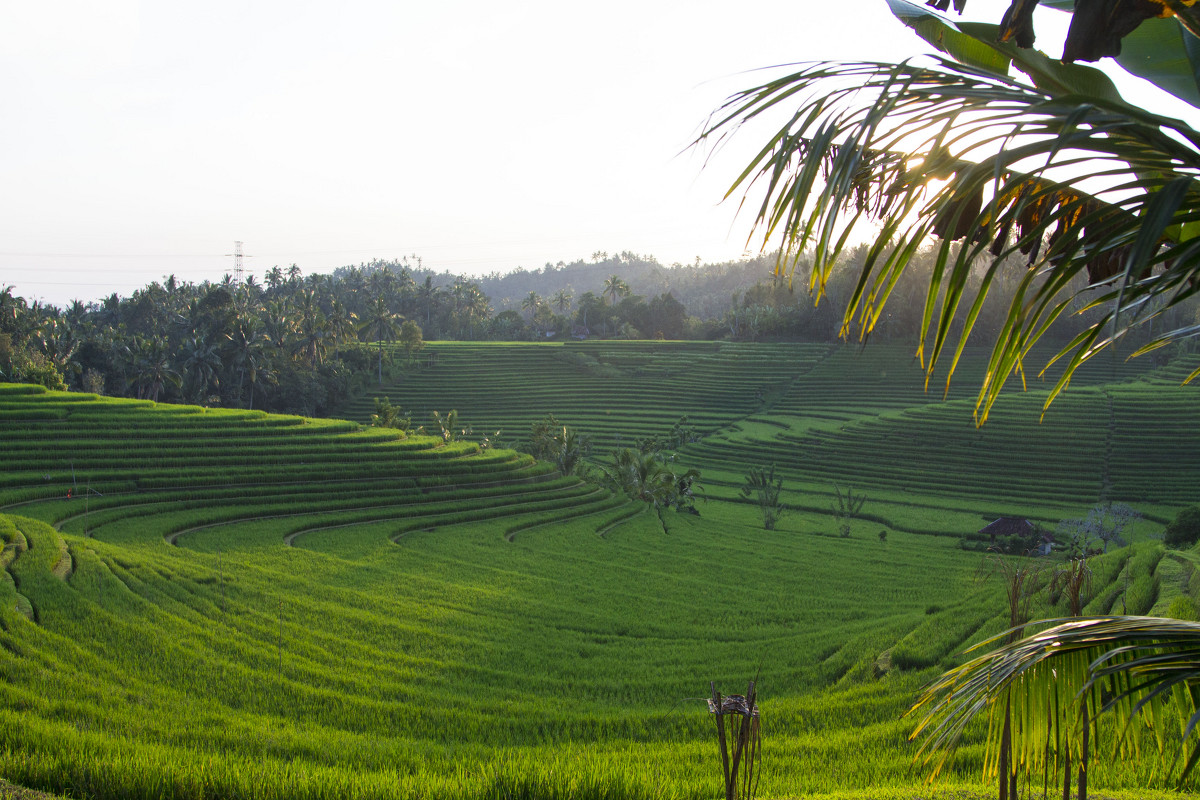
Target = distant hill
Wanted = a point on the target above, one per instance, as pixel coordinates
(706, 289)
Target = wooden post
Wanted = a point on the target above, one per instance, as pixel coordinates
(739, 744)
(716, 700)
(745, 740)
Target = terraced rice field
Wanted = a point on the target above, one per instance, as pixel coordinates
(616, 392)
(218, 603)
(843, 417)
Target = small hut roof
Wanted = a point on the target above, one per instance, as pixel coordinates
(1008, 526)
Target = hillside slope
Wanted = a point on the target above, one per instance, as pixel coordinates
(200, 603)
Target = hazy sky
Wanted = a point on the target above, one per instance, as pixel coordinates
(143, 138)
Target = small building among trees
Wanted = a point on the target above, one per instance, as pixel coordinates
(1017, 536)
(1007, 527)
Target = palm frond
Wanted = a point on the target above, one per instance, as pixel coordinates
(1136, 669)
(1087, 198)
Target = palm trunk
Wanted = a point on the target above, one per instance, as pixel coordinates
(1067, 771)
(1083, 754)
(1003, 767)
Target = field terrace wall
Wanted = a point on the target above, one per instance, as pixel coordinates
(615, 392)
(118, 469)
(835, 415)
(1124, 431)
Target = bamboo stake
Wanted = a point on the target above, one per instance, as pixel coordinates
(743, 735)
(721, 736)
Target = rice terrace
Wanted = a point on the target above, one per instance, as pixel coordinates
(893, 494)
(229, 603)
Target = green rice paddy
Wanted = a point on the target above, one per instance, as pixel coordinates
(202, 603)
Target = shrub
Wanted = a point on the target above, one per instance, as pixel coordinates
(846, 508)
(765, 488)
(33, 367)
(1184, 530)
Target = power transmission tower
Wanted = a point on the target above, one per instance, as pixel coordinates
(238, 255)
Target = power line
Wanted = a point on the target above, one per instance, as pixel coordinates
(108, 255)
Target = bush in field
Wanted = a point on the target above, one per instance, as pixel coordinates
(764, 487)
(681, 433)
(1184, 530)
(1072, 581)
(550, 440)
(845, 508)
(30, 366)
(389, 416)
(411, 339)
(93, 381)
(447, 426)
(649, 478)
(1107, 522)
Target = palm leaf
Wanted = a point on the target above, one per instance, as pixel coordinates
(1131, 668)
(966, 153)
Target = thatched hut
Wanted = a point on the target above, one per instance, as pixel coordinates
(1008, 526)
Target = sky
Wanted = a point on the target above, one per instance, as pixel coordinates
(141, 139)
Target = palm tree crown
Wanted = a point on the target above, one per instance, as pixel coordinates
(1084, 198)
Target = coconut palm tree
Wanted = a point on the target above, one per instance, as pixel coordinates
(341, 322)
(381, 322)
(532, 302)
(427, 297)
(152, 366)
(201, 366)
(249, 355)
(562, 300)
(1089, 199)
(1059, 680)
(11, 307)
(59, 341)
(251, 290)
(312, 328)
(312, 335)
(278, 325)
(614, 287)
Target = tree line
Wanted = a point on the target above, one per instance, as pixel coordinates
(302, 344)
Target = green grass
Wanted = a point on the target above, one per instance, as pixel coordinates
(262, 606)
